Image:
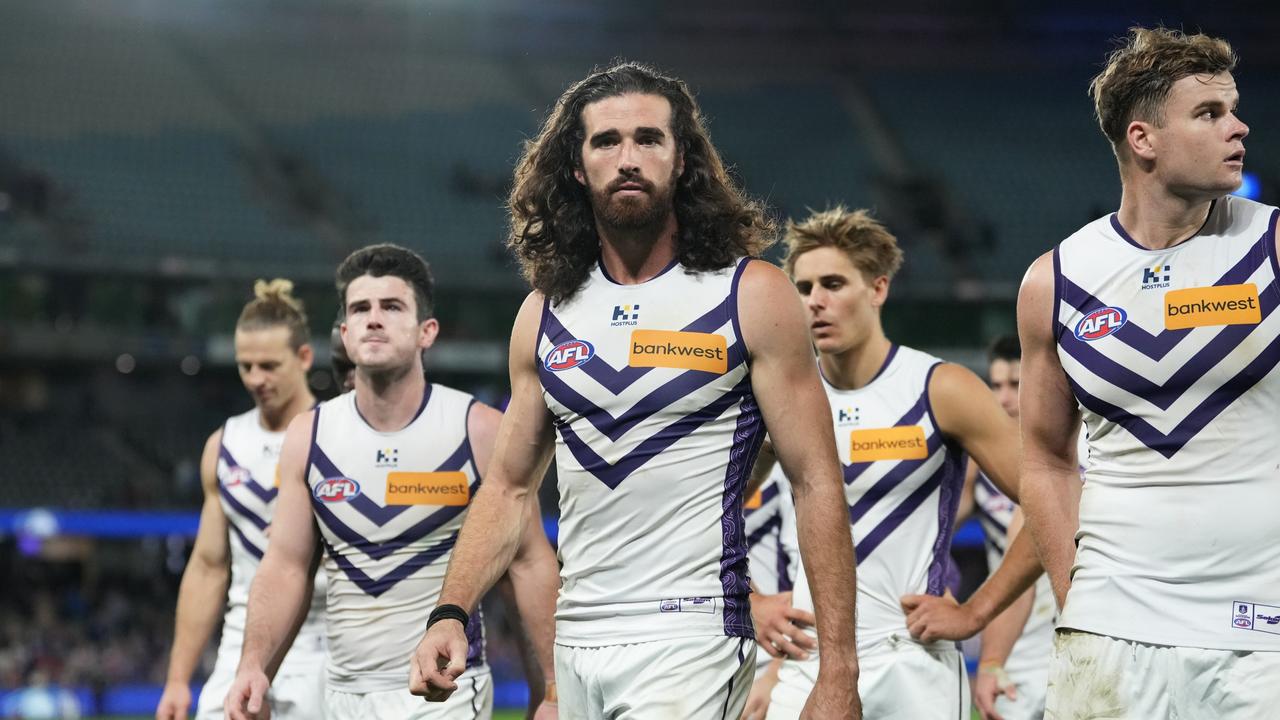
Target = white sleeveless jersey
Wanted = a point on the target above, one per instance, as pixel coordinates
(902, 483)
(247, 459)
(389, 506)
(1172, 357)
(995, 512)
(772, 554)
(656, 434)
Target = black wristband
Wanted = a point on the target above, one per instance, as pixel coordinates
(448, 612)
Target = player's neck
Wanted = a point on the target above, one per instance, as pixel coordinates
(856, 367)
(631, 258)
(389, 401)
(278, 420)
(1156, 218)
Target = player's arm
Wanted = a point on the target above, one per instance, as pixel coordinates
(998, 639)
(280, 594)
(534, 574)
(967, 412)
(495, 524)
(203, 590)
(784, 380)
(1050, 422)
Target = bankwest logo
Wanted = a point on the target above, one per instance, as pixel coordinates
(428, 488)
(1155, 277)
(625, 315)
(1215, 305)
(896, 443)
(683, 350)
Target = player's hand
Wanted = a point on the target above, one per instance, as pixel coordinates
(780, 627)
(437, 662)
(546, 710)
(834, 697)
(175, 702)
(930, 618)
(758, 700)
(991, 683)
(247, 698)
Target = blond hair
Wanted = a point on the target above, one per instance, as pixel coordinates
(1138, 76)
(867, 243)
(273, 305)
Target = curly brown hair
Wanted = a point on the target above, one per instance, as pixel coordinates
(1139, 74)
(553, 228)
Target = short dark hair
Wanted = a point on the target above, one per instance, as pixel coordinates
(393, 260)
(1137, 78)
(1005, 347)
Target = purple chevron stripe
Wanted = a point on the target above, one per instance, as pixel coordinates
(999, 526)
(618, 380)
(774, 522)
(240, 509)
(475, 639)
(872, 540)
(266, 494)
(942, 570)
(910, 417)
(682, 385)
(1155, 346)
(362, 503)
(252, 549)
(900, 471)
(785, 583)
(747, 438)
(984, 481)
(613, 475)
(1163, 396)
(767, 494)
(1195, 421)
(379, 550)
(377, 587)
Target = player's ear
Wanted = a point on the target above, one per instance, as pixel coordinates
(428, 330)
(1141, 140)
(880, 291)
(306, 356)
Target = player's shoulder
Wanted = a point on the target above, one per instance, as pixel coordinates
(760, 275)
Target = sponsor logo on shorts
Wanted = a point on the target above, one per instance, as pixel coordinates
(694, 604)
(568, 355)
(676, 349)
(1256, 617)
(905, 442)
(1216, 305)
(428, 488)
(1100, 323)
(336, 489)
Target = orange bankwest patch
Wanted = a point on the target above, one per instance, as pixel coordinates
(675, 349)
(427, 488)
(755, 501)
(894, 443)
(1216, 305)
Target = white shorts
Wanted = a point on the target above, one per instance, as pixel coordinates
(898, 679)
(297, 693)
(1031, 685)
(1096, 676)
(699, 677)
(473, 700)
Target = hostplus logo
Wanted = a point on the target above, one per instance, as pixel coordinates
(1155, 277)
(387, 457)
(848, 416)
(625, 315)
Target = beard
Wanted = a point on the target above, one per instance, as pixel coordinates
(636, 213)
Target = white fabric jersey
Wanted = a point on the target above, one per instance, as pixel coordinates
(902, 483)
(656, 433)
(772, 554)
(247, 459)
(1172, 356)
(389, 506)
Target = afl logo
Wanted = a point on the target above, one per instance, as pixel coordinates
(1100, 323)
(569, 355)
(236, 475)
(1243, 622)
(336, 489)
